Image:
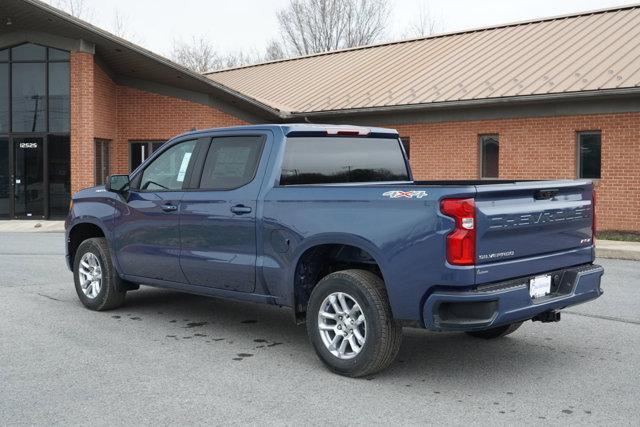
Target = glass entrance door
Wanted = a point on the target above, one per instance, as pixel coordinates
(29, 185)
(5, 179)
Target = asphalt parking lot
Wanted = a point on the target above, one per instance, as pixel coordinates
(172, 358)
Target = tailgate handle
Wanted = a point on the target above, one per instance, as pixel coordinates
(547, 193)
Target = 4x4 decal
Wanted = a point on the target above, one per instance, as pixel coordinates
(405, 194)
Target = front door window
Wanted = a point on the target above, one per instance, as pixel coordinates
(168, 171)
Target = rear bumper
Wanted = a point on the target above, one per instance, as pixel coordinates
(507, 302)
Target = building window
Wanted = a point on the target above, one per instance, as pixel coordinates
(139, 151)
(4, 98)
(29, 97)
(489, 156)
(589, 154)
(34, 90)
(406, 143)
(102, 161)
(59, 97)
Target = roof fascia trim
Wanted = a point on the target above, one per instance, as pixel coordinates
(46, 39)
(474, 102)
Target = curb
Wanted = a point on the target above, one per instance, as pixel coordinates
(618, 250)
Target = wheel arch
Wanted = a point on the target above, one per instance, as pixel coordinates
(325, 254)
(80, 232)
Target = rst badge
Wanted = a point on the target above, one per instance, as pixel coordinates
(405, 194)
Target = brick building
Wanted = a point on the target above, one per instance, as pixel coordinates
(548, 99)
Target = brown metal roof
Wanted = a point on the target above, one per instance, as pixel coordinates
(593, 51)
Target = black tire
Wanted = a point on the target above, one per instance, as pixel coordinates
(383, 333)
(110, 296)
(500, 331)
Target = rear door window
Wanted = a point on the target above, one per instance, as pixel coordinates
(334, 160)
(231, 162)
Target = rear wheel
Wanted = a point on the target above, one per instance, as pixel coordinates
(95, 278)
(350, 325)
(500, 331)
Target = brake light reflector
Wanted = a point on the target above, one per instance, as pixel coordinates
(461, 242)
(356, 131)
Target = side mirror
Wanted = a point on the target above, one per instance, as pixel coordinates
(117, 184)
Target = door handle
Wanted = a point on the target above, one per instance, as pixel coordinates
(169, 207)
(241, 209)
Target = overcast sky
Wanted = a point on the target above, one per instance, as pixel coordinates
(248, 25)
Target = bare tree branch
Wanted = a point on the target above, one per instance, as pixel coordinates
(426, 23)
(201, 56)
(274, 51)
(314, 26)
(78, 8)
(120, 26)
(197, 55)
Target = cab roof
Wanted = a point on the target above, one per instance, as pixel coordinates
(306, 129)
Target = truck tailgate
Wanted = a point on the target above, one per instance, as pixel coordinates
(525, 227)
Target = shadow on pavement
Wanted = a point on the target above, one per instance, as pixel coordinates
(448, 357)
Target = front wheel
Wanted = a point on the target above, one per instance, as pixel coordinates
(350, 325)
(95, 278)
(500, 331)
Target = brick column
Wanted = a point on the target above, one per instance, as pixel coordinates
(82, 121)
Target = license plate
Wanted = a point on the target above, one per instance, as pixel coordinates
(540, 286)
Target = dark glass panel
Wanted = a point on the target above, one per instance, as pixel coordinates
(340, 160)
(59, 151)
(590, 155)
(406, 143)
(5, 178)
(139, 152)
(58, 55)
(4, 55)
(490, 156)
(102, 161)
(29, 52)
(29, 178)
(231, 162)
(4, 98)
(59, 97)
(29, 98)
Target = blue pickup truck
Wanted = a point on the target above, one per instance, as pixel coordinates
(327, 221)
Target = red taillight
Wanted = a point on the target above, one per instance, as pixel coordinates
(461, 242)
(593, 217)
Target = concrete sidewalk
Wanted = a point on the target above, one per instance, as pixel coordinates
(31, 226)
(604, 248)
